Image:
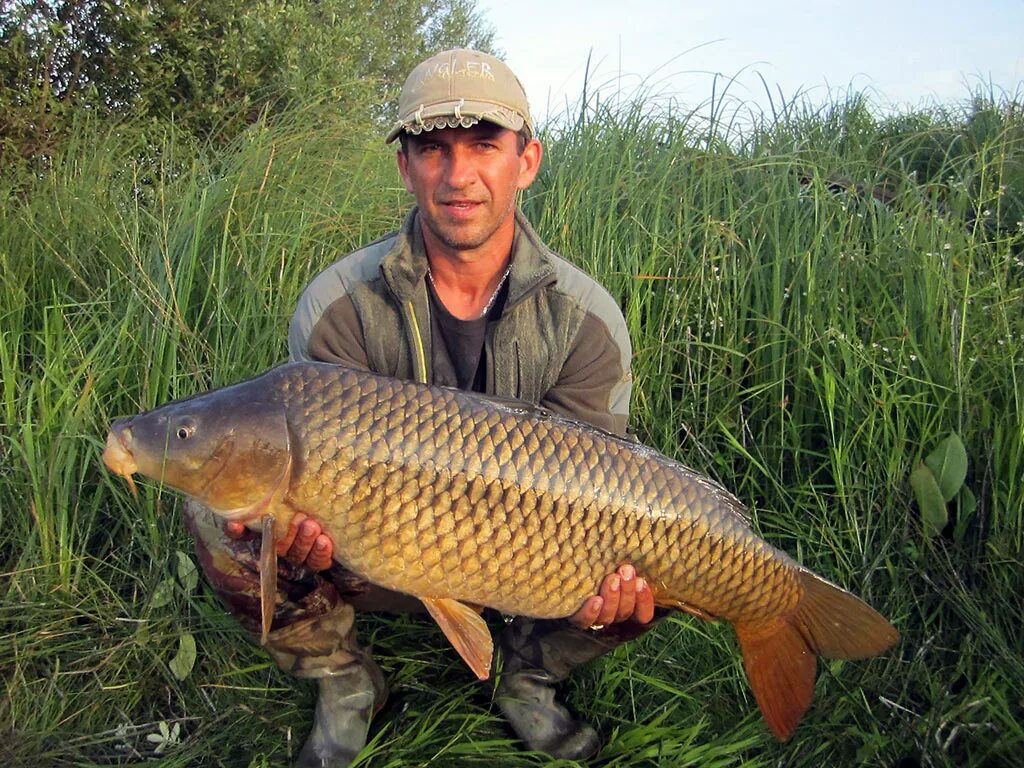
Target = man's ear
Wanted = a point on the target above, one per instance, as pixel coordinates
(529, 163)
(403, 169)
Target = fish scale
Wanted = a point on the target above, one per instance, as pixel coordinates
(460, 499)
(578, 514)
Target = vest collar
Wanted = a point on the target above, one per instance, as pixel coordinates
(404, 267)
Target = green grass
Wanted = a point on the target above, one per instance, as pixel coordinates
(798, 340)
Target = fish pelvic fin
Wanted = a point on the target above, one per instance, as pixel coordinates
(466, 630)
(780, 654)
(685, 607)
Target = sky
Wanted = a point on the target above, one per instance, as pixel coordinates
(903, 52)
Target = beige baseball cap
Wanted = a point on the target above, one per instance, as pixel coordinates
(459, 88)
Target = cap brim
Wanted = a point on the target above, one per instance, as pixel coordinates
(454, 114)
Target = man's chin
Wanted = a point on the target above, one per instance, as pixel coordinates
(462, 244)
(460, 238)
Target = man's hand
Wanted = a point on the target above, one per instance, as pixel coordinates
(304, 544)
(623, 597)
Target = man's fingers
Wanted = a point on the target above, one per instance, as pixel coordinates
(321, 555)
(302, 545)
(644, 611)
(627, 593)
(624, 597)
(610, 592)
(283, 544)
(586, 616)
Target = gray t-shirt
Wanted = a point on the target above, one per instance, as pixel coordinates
(458, 346)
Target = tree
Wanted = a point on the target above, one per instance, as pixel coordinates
(211, 67)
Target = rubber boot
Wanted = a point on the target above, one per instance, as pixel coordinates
(537, 655)
(344, 706)
(313, 634)
(527, 699)
(352, 687)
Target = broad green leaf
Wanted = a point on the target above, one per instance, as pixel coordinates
(183, 661)
(934, 515)
(968, 503)
(187, 574)
(948, 462)
(162, 594)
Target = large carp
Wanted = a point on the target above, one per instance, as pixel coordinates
(459, 499)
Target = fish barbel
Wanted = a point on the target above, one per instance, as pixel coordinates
(460, 499)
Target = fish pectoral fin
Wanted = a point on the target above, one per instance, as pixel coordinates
(268, 578)
(466, 630)
(693, 610)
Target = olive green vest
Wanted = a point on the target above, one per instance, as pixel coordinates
(525, 349)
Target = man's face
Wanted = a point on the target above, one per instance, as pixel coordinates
(465, 181)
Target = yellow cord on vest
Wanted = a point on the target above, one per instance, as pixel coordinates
(421, 359)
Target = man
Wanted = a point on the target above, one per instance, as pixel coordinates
(464, 295)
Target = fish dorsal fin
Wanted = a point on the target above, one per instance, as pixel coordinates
(466, 630)
(729, 504)
(507, 404)
(268, 577)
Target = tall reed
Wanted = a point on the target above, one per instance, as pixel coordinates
(816, 299)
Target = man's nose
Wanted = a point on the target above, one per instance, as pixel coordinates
(460, 171)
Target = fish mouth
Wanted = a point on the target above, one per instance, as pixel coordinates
(116, 454)
(118, 457)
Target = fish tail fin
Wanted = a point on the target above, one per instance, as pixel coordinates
(838, 624)
(780, 654)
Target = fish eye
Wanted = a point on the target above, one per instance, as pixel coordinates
(185, 430)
